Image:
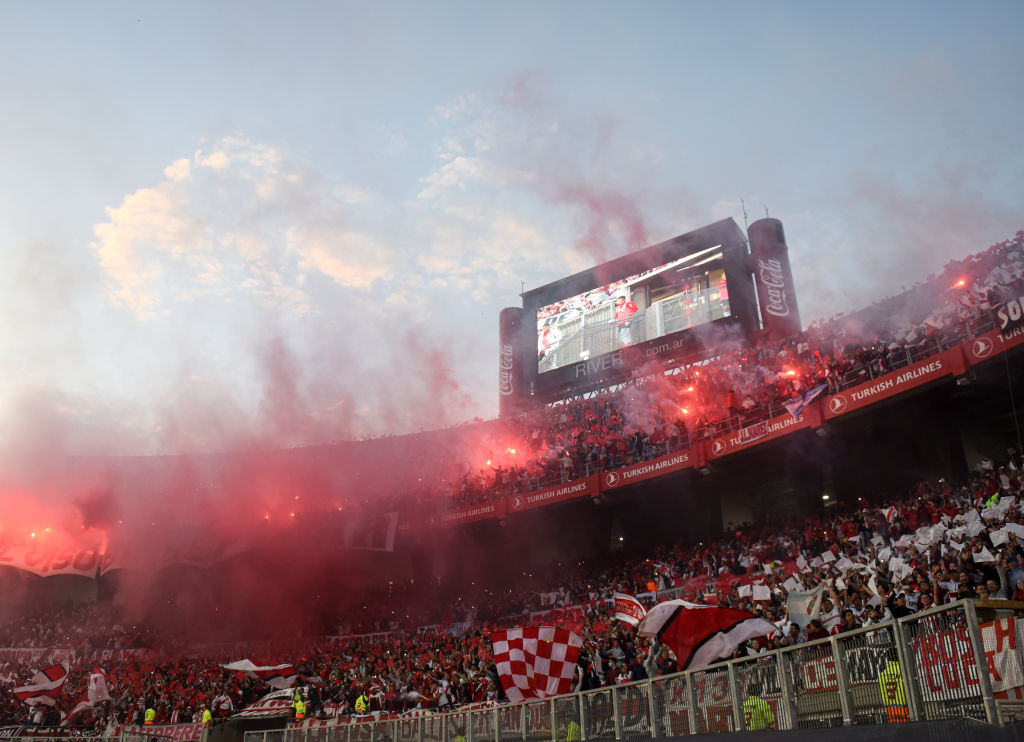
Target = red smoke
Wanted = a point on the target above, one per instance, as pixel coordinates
(612, 220)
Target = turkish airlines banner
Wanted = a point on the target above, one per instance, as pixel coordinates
(768, 430)
(649, 469)
(549, 495)
(991, 344)
(486, 511)
(947, 363)
(47, 560)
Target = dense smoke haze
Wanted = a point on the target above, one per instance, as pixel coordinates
(238, 285)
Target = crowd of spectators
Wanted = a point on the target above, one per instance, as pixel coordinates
(663, 410)
(938, 544)
(85, 627)
(876, 560)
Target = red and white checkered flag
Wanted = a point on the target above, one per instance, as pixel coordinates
(536, 661)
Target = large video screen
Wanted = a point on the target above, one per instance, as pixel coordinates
(668, 298)
(668, 301)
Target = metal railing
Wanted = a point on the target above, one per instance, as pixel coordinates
(929, 666)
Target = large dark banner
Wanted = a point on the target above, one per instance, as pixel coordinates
(1010, 316)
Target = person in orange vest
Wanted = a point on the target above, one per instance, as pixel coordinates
(150, 716)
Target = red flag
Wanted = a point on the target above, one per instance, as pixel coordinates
(46, 686)
(629, 609)
(699, 634)
(536, 661)
(276, 676)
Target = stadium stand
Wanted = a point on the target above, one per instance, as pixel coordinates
(936, 544)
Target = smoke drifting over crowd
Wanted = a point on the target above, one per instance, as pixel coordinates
(223, 323)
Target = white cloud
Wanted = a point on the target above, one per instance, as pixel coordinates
(197, 235)
(456, 108)
(216, 160)
(349, 258)
(129, 246)
(178, 169)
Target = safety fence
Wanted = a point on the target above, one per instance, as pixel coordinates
(960, 660)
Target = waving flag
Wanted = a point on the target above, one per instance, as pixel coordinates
(46, 686)
(97, 691)
(535, 661)
(276, 676)
(797, 404)
(805, 606)
(699, 634)
(629, 609)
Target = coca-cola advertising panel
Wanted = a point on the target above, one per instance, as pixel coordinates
(773, 278)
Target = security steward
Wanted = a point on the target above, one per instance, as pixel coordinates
(890, 682)
(757, 714)
(362, 703)
(573, 732)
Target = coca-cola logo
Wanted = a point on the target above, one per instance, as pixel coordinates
(773, 281)
(507, 357)
(505, 366)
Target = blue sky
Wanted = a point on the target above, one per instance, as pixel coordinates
(281, 223)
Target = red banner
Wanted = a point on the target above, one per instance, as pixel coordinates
(649, 469)
(947, 363)
(50, 560)
(485, 511)
(761, 432)
(991, 344)
(548, 496)
(181, 732)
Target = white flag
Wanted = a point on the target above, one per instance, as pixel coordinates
(805, 606)
(628, 609)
